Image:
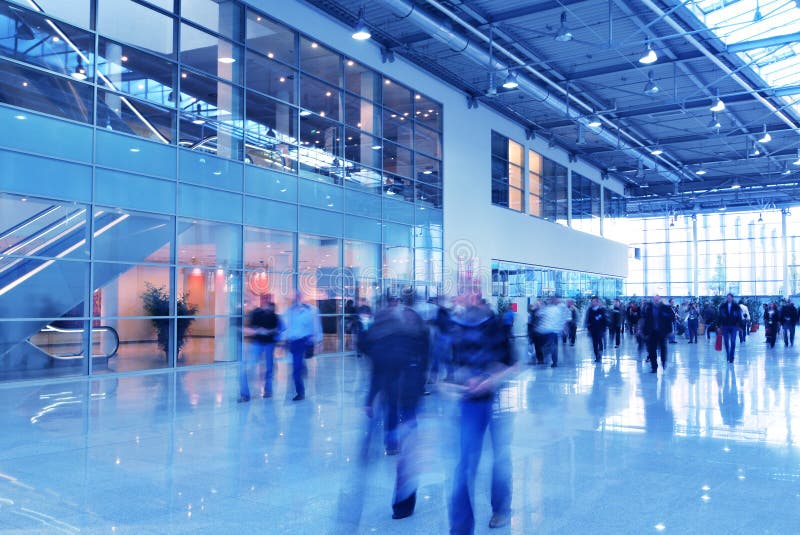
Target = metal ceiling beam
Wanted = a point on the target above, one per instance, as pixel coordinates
(775, 40)
(516, 13)
(458, 42)
(631, 66)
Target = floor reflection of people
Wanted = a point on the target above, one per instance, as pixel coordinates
(731, 401)
(658, 415)
(598, 397)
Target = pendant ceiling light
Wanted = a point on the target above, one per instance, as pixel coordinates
(649, 56)
(361, 30)
(651, 87)
(564, 34)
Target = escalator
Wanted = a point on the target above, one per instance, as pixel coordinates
(35, 261)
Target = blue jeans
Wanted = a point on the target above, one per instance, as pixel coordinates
(475, 417)
(298, 350)
(257, 348)
(692, 326)
(550, 343)
(730, 333)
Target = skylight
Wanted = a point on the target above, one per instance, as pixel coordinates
(742, 21)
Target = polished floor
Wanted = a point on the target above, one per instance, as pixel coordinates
(700, 448)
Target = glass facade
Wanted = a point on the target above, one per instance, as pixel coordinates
(508, 164)
(164, 174)
(747, 253)
(511, 279)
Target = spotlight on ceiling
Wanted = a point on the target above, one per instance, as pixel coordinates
(651, 87)
(714, 123)
(594, 122)
(361, 30)
(701, 172)
(718, 104)
(511, 81)
(649, 56)
(765, 137)
(736, 184)
(760, 218)
(657, 150)
(564, 34)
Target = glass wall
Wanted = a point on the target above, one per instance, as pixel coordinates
(712, 254)
(555, 192)
(510, 279)
(175, 198)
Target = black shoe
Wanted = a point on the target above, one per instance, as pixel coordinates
(653, 370)
(392, 451)
(266, 395)
(404, 508)
(498, 520)
(554, 365)
(299, 397)
(243, 399)
(598, 359)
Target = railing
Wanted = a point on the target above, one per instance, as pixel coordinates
(75, 350)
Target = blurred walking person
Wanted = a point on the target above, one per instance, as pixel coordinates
(615, 323)
(730, 320)
(692, 322)
(788, 315)
(596, 325)
(772, 323)
(745, 321)
(571, 330)
(552, 319)
(397, 343)
(484, 360)
(265, 327)
(303, 332)
(656, 325)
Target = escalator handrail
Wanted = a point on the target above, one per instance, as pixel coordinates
(104, 328)
(21, 225)
(48, 228)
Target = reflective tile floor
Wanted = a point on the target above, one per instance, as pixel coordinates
(702, 448)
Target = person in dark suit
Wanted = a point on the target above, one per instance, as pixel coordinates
(730, 320)
(656, 325)
(596, 323)
(788, 315)
(615, 323)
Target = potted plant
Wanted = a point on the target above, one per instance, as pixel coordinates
(155, 301)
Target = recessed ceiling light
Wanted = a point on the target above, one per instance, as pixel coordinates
(227, 60)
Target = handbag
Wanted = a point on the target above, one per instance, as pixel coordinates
(718, 344)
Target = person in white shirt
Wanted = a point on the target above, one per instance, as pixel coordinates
(551, 323)
(745, 322)
(303, 331)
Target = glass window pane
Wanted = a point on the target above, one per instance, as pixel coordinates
(362, 81)
(131, 116)
(209, 291)
(212, 118)
(319, 277)
(74, 11)
(515, 176)
(427, 141)
(127, 70)
(39, 287)
(54, 95)
(128, 236)
(319, 61)
(397, 97)
(271, 78)
(41, 227)
(210, 340)
(362, 114)
(262, 287)
(515, 199)
(33, 38)
(320, 148)
(131, 290)
(320, 98)
(211, 54)
(270, 38)
(271, 133)
(268, 250)
(54, 348)
(220, 16)
(209, 244)
(515, 153)
(129, 22)
(398, 160)
(428, 170)
(397, 128)
(430, 112)
(143, 344)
